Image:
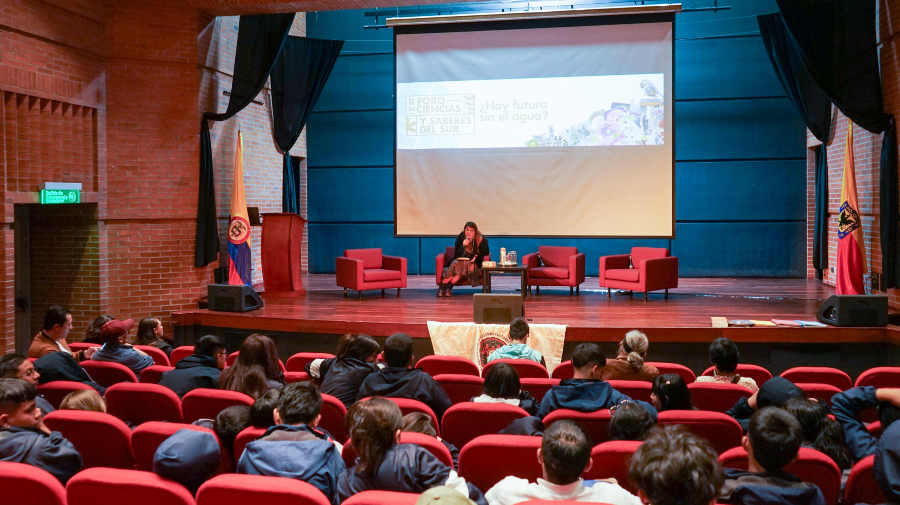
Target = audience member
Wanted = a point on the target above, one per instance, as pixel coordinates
(262, 412)
(419, 422)
(114, 334)
(295, 447)
(675, 467)
(820, 432)
(564, 455)
(17, 366)
(59, 366)
(384, 464)
(724, 356)
(92, 333)
(774, 393)
(629, 362)
(24, 438)
(670, 392)
(229, 423)
(188, 457)
(846, 407)
(52, 338)
(150, 332)
(256, 369)
(199, 370)
(83, 399)
(399, 380)
(586, 392)
(773, 440)
(344, 374)
(887, 463)
(518, 347)
(630, 421)
(501, 385)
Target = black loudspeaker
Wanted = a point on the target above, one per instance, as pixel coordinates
(227, 298)
(854, 310)
(500, 309)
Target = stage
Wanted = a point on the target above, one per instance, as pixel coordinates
(679, 328)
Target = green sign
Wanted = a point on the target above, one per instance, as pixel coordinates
(60, 196)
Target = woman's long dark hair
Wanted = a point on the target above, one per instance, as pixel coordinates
(256, 363)
(672, 392)
(146, 333)
(92, 333)
(359, 347)
(823, 433)
(473, 244)
(502, 381)
(373, 424)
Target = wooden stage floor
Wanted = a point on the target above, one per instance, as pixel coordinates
(684, 317)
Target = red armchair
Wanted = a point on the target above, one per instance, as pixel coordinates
(363, 269)
(653, 269)
(444, 259)
(555, 266)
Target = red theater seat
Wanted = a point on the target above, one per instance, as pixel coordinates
(488, 459)
(524, 367)
(381, 498)
(101, 439)
(819, 391)
(465, 421)
(159, 357)
(538, 387)
(810, 466)
(363, 269)
(555, 266)
(564, 370)
(759, 374)
(246, 436)
(153, 373)
(880, 377)
(297, 362)
(55, 391)
(861, 485)
(334, 416)
(181, 352)
(636, 390)
(429, 443)
(238, 489)
(460, 388)
(675, 368)
(716, 397)
(146, 438)
(107, 373)
(26, 484)
(819, 375)
(653, 269)
(595, 424)
(207, 403)
(292, 377)
(81, 346)
(720, 430)
(446, 365)
(108, 486)
(611, 460)
(138, 403)
(444, 259)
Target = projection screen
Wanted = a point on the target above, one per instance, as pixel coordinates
(548, 131)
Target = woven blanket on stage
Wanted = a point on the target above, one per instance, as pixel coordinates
(477, 341)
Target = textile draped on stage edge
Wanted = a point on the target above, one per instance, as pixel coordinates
(477, 341)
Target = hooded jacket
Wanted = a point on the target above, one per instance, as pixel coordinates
(585, 395)
(517, 350)
(193, 372)
(188, 457)
(32, 446)
(295, 452)
(774, 393)
(59, 366)
(887, 463)
(768, 488)
(410, 383)
(342, 377)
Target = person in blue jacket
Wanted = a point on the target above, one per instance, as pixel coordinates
(586, 392)
(295, 447)
(847, 405)
(887, 463)
(199, 370)
(387, 465)
(188, 457)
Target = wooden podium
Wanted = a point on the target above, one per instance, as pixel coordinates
(281, 247)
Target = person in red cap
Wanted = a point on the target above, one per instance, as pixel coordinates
(114, 335)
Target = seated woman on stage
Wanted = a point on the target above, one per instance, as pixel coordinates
(256, 369)
(471, 248)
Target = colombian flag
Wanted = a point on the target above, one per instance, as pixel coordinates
(851, 253)
(239, 225)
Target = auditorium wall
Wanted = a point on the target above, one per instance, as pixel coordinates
(740, 181)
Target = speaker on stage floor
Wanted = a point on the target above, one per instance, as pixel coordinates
(228, 298)
(854, 310)
(498, 309)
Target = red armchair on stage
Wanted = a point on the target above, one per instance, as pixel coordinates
(555, 266)
(653, 269)
(444, 259)
(363, 269)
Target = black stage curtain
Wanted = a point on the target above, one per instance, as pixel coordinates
(820, 228)
(803, 92)
(836, 41)
(298, 77)
(260, 39)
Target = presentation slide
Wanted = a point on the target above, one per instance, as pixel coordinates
(562, 131)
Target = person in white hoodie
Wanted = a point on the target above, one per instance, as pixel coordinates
(565, 454)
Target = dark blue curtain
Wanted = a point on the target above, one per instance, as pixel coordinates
(298, 77)
(820, 224)
(260, 39)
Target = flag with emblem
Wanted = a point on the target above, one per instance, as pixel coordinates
(239, 269)
(851, 253)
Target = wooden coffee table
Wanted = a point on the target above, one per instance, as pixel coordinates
(516, 270)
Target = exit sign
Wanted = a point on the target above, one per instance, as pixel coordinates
(60, 196)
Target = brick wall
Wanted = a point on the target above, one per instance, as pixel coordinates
(866, 155)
